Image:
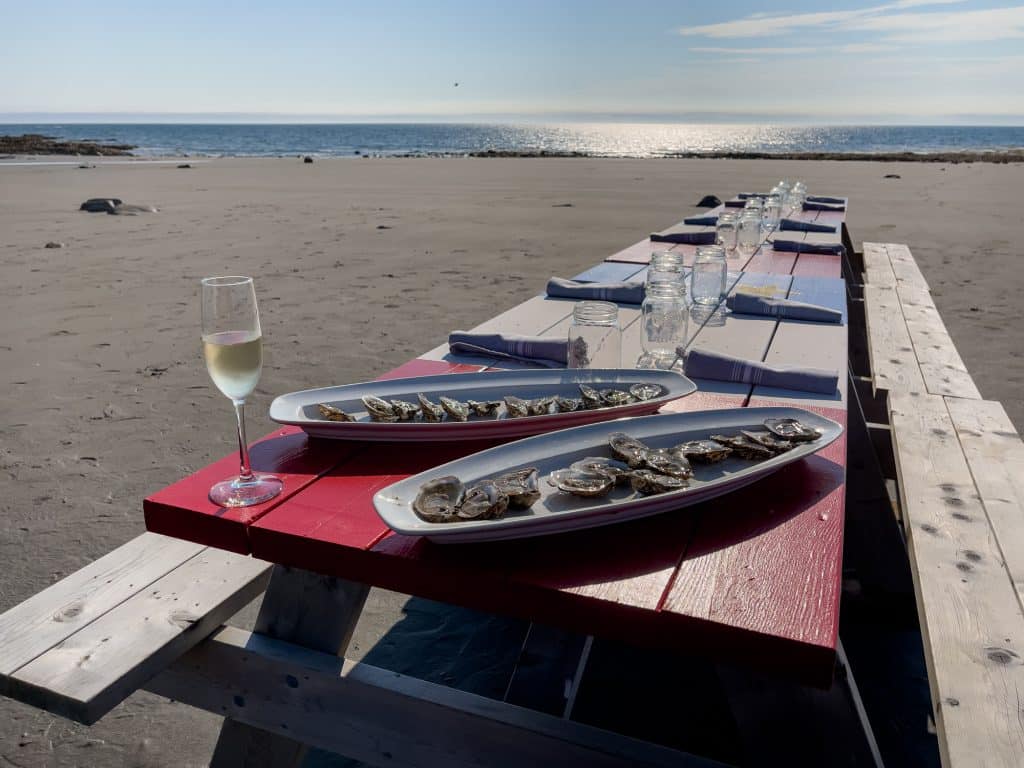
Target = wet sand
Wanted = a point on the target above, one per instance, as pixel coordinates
(360, 265)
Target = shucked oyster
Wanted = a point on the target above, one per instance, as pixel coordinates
(616, 470)
(438, 499)
(627, 448)
(331, 413)
(703, 451)
(612, 397)
(431, 411)
(568, 404)
(540, 406)
(647, 482)
(645, 391)
(456, 410)
(483, 501)
(485, 408)
(379, 410)
(768, 440)
(591, 397)
(516, 407)
(744, 447)
(667, 463)
(588, 484)
(520, 487)
(791, 429)
(404, 410)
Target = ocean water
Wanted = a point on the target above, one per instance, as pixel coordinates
(597, 139)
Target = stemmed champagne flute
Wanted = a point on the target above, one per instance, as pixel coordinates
(233, 348)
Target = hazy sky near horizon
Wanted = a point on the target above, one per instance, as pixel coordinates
(403, 57)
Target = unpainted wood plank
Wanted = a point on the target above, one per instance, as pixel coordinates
(49, 617)
(382, 717)
(904, 266)
(995, 455)
(971, 620)
(877, 265)
(894, 365)
(93, 670)
(943, 369)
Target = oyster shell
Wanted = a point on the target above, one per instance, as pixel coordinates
(431, 411)
(483, 501)
(484, 408)
(438, 499)
(588, 484)
(568, 404)
(540, 406)
(647, 482)
(591, 397)
(456, 410)
(520, 486)
(613, 397)
(616, 470)
(702, 451)
(628, 449)
(744, 447)
(791, 429)
(404, 410)
(645, 391)
(331, 413)
(768, 440)
(516, 407)
(666, 463)
(379, 410)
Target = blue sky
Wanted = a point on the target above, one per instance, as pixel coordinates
(911, 58)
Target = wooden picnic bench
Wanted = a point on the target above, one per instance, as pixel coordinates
(752, 579)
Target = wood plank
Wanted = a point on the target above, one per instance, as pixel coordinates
(893, 362)
(971, 618)
(825, 291)
(810, 345)
(766, 560)
(639, 253)
(51, 616)
(610, 272)
(382, 717)
(766, 259)
(93, 670)
(420, 367)
(877, 265)
(942, 367)
(818, 265)
(995, 456)
(905, 268)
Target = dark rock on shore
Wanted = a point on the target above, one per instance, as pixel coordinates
(709, 201)
(37, 144)
(307, 159)
(524, 153)
(114, 206)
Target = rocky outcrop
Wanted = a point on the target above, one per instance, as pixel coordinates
(37, 144)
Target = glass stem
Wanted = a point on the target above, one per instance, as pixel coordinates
(245, 471)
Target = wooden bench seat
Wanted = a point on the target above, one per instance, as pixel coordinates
(960, 472)
(81, 646)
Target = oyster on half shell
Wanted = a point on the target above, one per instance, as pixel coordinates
(331, 413)
(438, 499)
(791, 429)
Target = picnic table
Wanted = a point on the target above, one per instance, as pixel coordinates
(750, 579)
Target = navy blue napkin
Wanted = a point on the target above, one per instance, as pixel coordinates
(734, 203)
(810, 206)
(630, 292)
(702, 221)
(701, 364)
(750, 304)
(747, 195)
(803, 226)
(551, 352)
(687, 238)
(791, 246)
(822, 199)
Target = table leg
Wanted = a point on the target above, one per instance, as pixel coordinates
(307, 609)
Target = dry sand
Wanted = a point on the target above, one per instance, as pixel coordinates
(360, 265)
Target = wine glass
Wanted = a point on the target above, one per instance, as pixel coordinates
(233, 348)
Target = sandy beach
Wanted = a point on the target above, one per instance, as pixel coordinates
(360, 264)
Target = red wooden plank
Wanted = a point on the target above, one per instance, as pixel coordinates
(767, 562)
(769, 260)
(420, 367)
(818, 265)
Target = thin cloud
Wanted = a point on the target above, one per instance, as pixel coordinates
(761, 25)
(794, 50)
(962, 26)
(749, 51)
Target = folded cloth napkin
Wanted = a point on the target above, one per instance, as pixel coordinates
(821, 199)
(630, 292)
(551, 352)
(702, 221)
(791, 246)
(811, 206)
(734, 203)
(688, 238)
(804, 226)
(752, 304)
(745, 195)
(701, 364)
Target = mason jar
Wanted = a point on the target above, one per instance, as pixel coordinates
(725, 231)
(595, 338)
(665, 322)
(748, 235)
(708, 278)
(771, 213)
(665, 267)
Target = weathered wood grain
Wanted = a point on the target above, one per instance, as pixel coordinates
(877, 265)
(941, 366)
(904, 267)
(893, 361)
(971, 618)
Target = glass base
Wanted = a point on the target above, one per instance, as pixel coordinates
(237, 492)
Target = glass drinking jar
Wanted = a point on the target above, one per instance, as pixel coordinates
(725, 231)
(748, 234)
(708, 278)
(665, 267)
(665, 322)
(771, 212)
(595, 338)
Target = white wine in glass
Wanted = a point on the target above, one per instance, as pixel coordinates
(233, 348)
